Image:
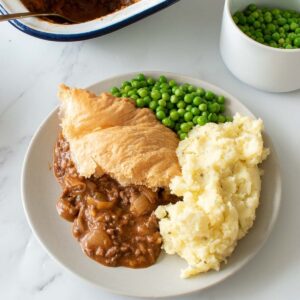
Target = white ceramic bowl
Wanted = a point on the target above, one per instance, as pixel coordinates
(266, 68)
(40, 192)
(58, 32)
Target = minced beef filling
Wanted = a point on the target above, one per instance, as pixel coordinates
(115, 225)
(77, 10)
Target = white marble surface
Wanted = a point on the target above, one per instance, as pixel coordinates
(184, 39)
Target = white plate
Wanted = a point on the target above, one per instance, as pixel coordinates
(40, 192)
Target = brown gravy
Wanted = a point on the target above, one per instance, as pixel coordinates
(115, 225)
(78, 10)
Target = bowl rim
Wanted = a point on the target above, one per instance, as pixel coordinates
(228, 12)
(247, 259)
(72, 37)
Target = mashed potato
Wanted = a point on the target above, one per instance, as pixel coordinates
(220, 185)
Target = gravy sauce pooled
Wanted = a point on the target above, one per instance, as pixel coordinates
(115, 225)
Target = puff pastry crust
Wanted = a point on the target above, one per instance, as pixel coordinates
(110, 135)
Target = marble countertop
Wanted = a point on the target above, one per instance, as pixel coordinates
(183, 39)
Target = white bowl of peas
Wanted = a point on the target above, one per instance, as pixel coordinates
(260, 43)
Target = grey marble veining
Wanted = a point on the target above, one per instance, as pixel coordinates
(184, 39)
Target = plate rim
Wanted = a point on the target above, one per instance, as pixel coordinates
(277, 199)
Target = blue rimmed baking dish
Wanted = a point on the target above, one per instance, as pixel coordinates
(87, 30)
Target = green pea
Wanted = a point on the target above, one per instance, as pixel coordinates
(229, 119)
(191, 88)
(155, 95)
(136, 84)
(181, 112)
(271, 27)
(214, 107)
(195, 111)
(141, 77)
(221, 119)
(209, 95)
(222, 108)
(168, 122)
(203, 107)
(164, 85)
(188, 98)
(181, 104)
(160, 115)
(162, 78)
(276, 36)
(126, 83)
(191, 124)
(252, 7)
(162, 103)
(160, 108)
(132, 92)
(282, 21)
(195, 120)
(293, 26)
(197, 101)
(174, 99)
(202, 120)
(114, 90)
(273, 44)
(297, 42)
(174, 115)
(260, 40)
(153, 105)
(212, 117)
(189, 107)
(200, 92)
(250, 20)
(221, 99)
(165, 91)
(140, 102)
(179, 92)
(150, 81)
(275, 11)
(143, 92)
(185, 127)
(127, 88)
(147, 100)
(134, 96)
(256, 24)
(268, 18)
(185, 87)
(292, 36)
(188, 116)
(182, 135)
(172, 82)
(165, 96)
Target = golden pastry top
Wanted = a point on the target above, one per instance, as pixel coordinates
(110, 135)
